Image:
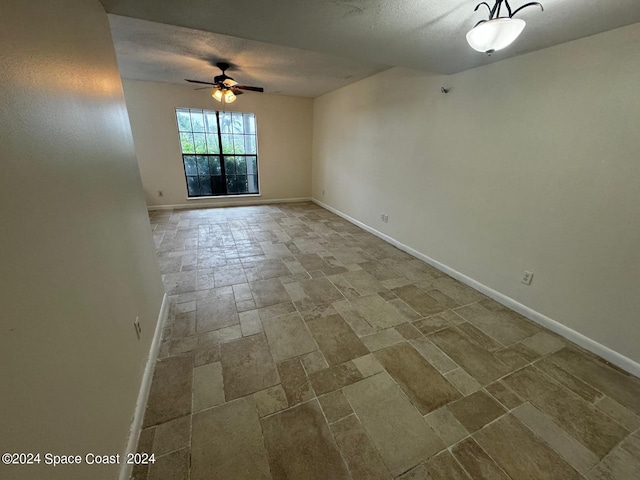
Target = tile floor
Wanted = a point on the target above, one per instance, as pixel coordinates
(299, 346)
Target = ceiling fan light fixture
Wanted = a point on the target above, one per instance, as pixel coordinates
(229, 97)
(225, 89)
(217, 94)
(496, 34)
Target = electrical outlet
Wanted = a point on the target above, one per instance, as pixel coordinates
(138, 328)
(386, 218)
(527, 277)
(323, 193)
(160, 193)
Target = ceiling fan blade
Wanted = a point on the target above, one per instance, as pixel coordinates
(251, 89)
(198, 81)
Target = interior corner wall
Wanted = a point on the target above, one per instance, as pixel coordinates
(284, 142)
(78, 263)
(528, 163)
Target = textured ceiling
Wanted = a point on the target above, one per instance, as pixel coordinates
(424, 34)
(165, 53)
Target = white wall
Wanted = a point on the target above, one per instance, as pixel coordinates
(78, 263)
(530, 163)
(284, 141)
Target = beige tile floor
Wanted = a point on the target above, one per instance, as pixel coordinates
(299, 346)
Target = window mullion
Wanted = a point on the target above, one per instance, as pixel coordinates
(221, 157)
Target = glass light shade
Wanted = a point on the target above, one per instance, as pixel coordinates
(229, 97)
(230, 82)
(495, 34)
(217, 94)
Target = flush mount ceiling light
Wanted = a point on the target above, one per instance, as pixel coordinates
(497, 32)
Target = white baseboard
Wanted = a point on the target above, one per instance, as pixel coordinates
(143, 394)
(578, 338)
(227, 203)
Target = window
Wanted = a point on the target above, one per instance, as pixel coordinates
(219, 152)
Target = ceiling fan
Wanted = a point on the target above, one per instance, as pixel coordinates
(225, 88)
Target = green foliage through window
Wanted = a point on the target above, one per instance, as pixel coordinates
(219, 152)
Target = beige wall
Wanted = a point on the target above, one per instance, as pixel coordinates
(284, 141)
(530, 163)
(78, 263)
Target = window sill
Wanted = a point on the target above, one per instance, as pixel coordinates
(224, 197)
